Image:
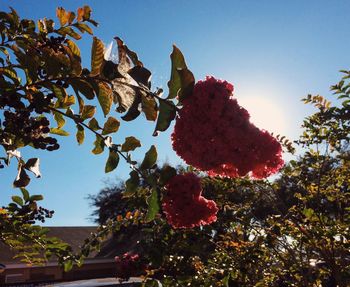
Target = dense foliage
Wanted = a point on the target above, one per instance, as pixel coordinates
(192, 228)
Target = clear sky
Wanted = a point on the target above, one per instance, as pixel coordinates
(274, 52)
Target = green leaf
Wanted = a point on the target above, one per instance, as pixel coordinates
(59, 132)
(177, 62)
(150, 158)
(17, 199)
(74, 56)
(187, 83)
(132, 184)
(25, 194)
(59, 119)
(99, 145)
(130, 144)
(153, 206)
(36, 197)
(93, 124)
(83, 28)
(308, 212)
(10, 73)
(64, 31)
(74, 48)
(149, 108)
(97, 56)
(82, 87)
(59, 92)
(88, 112)
(110, 126)
(105, 97)
(68, 265)
(112, 161)
(167, 113)
(80, 135)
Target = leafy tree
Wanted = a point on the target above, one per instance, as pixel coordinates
(42, 78)
(293, 231)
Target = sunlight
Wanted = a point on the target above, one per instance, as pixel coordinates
(265, 114)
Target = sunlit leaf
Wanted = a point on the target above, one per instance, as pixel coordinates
(112, 161)
(59, 119)
(153, 206)
(64, 31)
(25, 194)
(150, 158)
(62, 15)
(99, 145)
(187, 83)
(97, 52)
(33, 165)
(80, 135)
(130, 144)
(105, 97)
(177, 62)
(83, 28)
(149, 108)
(93, 124)
(166, 114)
(110, 126)
(88, 112)
(131, 184)
(17, 199)
(59, 132)
(83, 87)
(84, 13)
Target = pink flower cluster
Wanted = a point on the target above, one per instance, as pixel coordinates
(127, 266)
(183, 204)
(213, 133)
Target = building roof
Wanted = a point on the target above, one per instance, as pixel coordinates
(74, 236)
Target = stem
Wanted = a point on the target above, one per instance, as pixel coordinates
(79, 122)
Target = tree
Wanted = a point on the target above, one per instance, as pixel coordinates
(220, 223)
(289, 232)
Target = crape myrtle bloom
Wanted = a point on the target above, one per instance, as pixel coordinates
(213, 133)
(128, 265)
(183, 204)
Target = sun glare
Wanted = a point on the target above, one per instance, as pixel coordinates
(265, 114)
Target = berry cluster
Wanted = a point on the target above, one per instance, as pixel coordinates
(40, 103)
(21, 127)
(127, 265)
(183, 204)
(213, 133)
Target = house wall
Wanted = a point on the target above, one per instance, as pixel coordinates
(21, 274)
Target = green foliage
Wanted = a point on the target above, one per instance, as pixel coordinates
(293, 231)
(35, 107)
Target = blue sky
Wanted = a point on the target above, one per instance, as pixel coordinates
(274, 52)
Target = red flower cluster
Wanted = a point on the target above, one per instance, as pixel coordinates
(183, 204)
(213, 133)
(127, 266)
